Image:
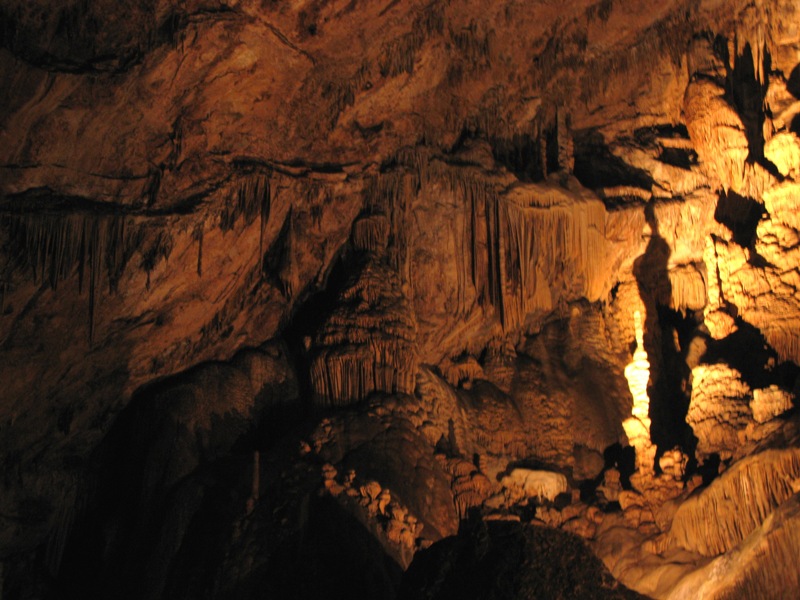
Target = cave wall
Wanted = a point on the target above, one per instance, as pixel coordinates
(445, 213)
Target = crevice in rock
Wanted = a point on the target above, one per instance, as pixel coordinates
(597, 167)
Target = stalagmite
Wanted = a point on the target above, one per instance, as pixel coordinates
(637, 426)
(542, 485)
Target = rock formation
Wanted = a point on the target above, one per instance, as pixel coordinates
(431, 277)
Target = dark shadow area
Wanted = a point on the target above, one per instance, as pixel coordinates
(675, 155)
(597, 167)
(141, 507)
(746, 94)
(649, 136)
(793, 83)
(668, 414)
(330, 555)
(663, 327)
(709, 470)
(171, 478)
(522, 155)
(310, 314)
(512, 561)
(747, 351)
(683, 158)
(741, 215)
(621, 459)
(748, 98)
(793, 86)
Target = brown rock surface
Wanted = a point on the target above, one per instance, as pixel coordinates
(409, 238)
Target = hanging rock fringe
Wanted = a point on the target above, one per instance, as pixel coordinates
(668, 37)
(251, 199)
(515, 245)
(772, 569)
(736, 503)
(398, 55)
(543, 239)
(54, 246)
(159, 249)
(688, 288)
(342, 93)
(371, 233)
(368, 344)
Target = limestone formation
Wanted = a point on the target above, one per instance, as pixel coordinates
(275, 275)
(637, 427)
(539, 485)
(367, 345)
(719, 409)
(733, 506)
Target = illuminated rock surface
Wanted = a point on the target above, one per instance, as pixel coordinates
(275, 275)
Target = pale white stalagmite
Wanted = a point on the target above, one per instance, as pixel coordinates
(542, 485)
(637, 426)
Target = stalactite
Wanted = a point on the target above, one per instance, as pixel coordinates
(287, 268)
(197, 235)
(514, 246)
(159, 249)
(688, 288)
(252, 199)
(398, 55)
(368, 342)
(371, 233)
(54, 246)
(736, 503)
(544, 237)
